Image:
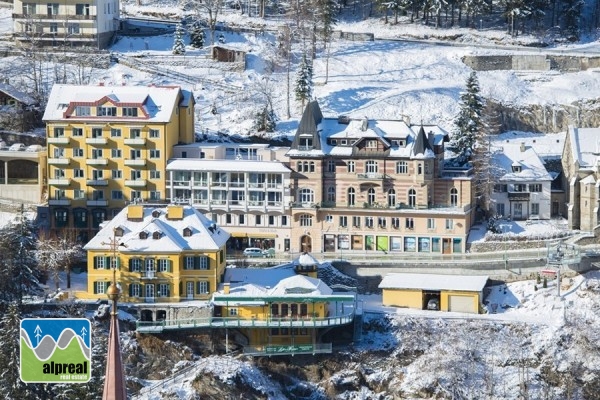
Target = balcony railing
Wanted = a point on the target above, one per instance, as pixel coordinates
(54, 17)
(59, 161)
(97, 182)
(96, 161)
(97, 203)
(59, 202)
(151, 299)
(372, 175)
(58, 140)
(135, 162)
(98, 140)
(148, 274)
(135, 182)
(134, 141)
(59, 182)
(298, 322)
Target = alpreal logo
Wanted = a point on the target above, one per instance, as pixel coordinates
(56, 350)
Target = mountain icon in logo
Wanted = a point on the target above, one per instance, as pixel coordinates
(55, 350)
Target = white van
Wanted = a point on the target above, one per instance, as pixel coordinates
(253, 252)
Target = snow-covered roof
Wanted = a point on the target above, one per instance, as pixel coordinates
(199, 164)
(170, 238)
(265, 277)
(585, 146)
(548, 145)
(158, 102)
(385, 130)
(509, 155)
(469, 283)
(17, 94)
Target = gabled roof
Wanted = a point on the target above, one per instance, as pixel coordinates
(434, 282)
(585, 146)
(422, 148)
(157, 102)
(21, 97)
(206, 236)
(510, 155)
(300, 285)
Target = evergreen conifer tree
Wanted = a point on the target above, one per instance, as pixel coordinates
(178, 44)
(197, 36)
(468, 123)
(266, 120)
(304, 83)
(572, 18)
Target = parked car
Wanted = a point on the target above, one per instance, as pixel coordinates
(269, 253)
(433, 304)
(17, 147)
(253, 252)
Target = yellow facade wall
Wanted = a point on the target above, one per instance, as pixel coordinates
(410, 298)
(445, 302)
(177, 278)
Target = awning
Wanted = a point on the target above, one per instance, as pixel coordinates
(262, 235)
(238, 234)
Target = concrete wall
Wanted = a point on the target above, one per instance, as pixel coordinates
(531, 62)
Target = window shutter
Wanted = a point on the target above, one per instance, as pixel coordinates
(95, 283)
(131, 290)
(207, 287)
(169, 266)
(95, 265)
(130, 270)
(197, 287)
(196, 262)
(107, 264)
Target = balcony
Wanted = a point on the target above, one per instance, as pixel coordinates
(54, 17)
(135, 162)
(97, 182)
(148, 274)
(135, 183)
(518, 196)
(96, 161)
(59, 202)
(58, 140)
(150, 299)
(59, 182)
(98, 140)
(135, 141)
(59, 161)
(371, 176)
(97, 203)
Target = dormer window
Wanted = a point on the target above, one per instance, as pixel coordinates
(155, 214)
(130, 111)
(187, 232)
(106, 111)
(516, 168)
(372, 144)
(156, 235)
(119, 232)
(305, 143)
(143, 235)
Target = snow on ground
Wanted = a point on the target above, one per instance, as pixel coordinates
(535, 229)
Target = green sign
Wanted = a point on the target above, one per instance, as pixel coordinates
(55, 350)
(297, 348)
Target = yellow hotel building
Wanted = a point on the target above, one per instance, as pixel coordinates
(161, 254)
(108, 146)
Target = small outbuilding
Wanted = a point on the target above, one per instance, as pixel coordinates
(458, 293)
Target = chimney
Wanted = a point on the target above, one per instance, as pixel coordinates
(522, 146)
(365, 124)
(226, 286)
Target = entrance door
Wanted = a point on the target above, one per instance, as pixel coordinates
(306, 244)
(149, 293)
(518, 211)
(190, 290)
(446, 246)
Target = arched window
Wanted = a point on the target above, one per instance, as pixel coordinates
(312, 166)
(453, 197)
(307, 196)
(391, 196)
(331, 194)
(351, 197)
(305, 220)
(371, 196)
(412, 197)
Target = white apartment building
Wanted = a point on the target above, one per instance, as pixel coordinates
(245, 188)
(91, 23)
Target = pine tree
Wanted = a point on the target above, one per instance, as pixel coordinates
(19, 274)
(197, 36)
(265, 120)
(178, 44)
(468, 123)
(572, 18)
(304, 83)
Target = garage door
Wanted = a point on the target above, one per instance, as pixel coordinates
(464, 304)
